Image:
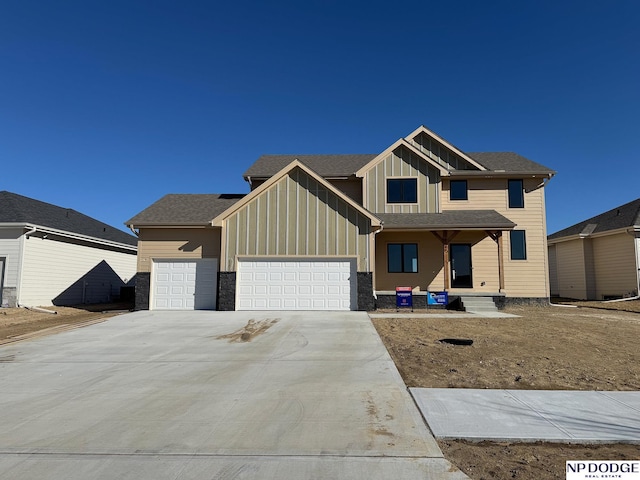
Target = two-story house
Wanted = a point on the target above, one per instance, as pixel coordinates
(341, 232)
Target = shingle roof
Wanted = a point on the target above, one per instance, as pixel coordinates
(185, 209)
(16, 208)
(346, 165)
(481, 219)
(624, 216)
(508, 162)
(324, 165)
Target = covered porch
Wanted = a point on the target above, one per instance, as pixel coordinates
(459, 252)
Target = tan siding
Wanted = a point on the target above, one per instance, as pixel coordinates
(310, 221)
(572, 281)
(523, 278)
(176, 243)
(351, 188)
(615, 269)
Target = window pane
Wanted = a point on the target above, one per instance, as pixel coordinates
(394, 257)
(410, 257)
(394, 191)
(518, 245)
(410, 190)
(516, 194)
(402, 190)
(458, 190)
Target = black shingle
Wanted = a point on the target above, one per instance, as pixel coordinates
(16, 208)
(482, 219)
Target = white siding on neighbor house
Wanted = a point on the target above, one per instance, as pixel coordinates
(10, 249)
(51, 267)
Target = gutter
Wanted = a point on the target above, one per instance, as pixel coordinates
(76, 236)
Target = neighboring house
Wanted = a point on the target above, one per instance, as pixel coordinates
(341, 232)
(56, 256)
(599, 258)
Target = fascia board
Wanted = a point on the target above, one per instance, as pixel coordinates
(218, 221)
(453, 148)
(499, 174)
(78, 236)
(401, 142)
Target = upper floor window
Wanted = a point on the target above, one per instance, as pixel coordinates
(458, 190)
(518, 245)
(516, 194)
(402, 257)
(402, 190)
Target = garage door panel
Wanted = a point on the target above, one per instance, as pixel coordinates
(184, 285)
(296, 285)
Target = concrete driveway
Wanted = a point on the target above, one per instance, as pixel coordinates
(211, 395)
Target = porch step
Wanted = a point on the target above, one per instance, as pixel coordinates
(478, 304)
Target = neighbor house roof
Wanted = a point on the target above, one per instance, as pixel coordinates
(452, 219)
(185, 209)
(18, 209)
(624, 216)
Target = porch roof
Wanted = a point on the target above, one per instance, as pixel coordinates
(447, 220)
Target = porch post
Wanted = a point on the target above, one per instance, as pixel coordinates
(497, 237)
(446, 241)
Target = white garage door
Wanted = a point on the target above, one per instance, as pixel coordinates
(184, 285)
(323, 284)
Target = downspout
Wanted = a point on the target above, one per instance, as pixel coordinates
(374, 259)
(133, 229)
(635, 234)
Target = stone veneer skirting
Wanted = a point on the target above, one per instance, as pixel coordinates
(9, 296)
(366, 301)
(227, 291)
(143, 290)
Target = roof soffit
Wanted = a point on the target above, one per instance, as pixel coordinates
(405, 144)
(217, 221)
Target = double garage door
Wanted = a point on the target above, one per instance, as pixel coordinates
(262, 284)
(184, 284)
(283, 284)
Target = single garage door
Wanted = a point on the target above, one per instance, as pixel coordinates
(184, 284)
(322, 284)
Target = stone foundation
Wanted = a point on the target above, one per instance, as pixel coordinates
(366, 301)
(227, 291)
(143, 290)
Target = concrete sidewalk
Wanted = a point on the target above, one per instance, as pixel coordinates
(531, 415)
(185, 395)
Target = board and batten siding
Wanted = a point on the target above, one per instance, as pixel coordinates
(51, 267)
(402, 163)
(10, 241)
(297, 216)
(614, 265)
(523, 278)
(176, 243)
(435, 150)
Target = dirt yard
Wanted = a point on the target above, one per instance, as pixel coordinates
(18, 323)
(546, 348)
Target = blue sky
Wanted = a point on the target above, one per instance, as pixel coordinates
(105, 106)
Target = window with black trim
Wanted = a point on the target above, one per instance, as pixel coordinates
(402, 257)
(458, 190)
(516, 194)
(402, 190)
(518, 241)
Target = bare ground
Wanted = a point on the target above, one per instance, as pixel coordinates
(18, 323)
(546, 348)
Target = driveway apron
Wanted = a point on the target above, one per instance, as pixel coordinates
(212, 395)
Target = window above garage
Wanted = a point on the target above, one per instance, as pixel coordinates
(402, 190)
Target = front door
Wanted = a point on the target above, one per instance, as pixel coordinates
(461, 266)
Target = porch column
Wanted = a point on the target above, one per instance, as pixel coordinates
(497, 237)
(446, 239)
